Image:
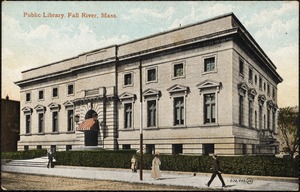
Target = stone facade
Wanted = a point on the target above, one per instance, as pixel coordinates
(199, 89)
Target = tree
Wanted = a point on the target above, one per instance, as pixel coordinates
(288, 122)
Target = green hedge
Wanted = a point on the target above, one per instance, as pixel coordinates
(102, 158)
(30, 154)
(245, 165)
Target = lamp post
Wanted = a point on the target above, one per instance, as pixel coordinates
(141, 121)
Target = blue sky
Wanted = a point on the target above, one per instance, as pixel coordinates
(29, 42)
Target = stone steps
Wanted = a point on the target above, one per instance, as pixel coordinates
(37, 162)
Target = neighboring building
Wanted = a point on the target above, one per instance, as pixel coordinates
(206, 88)
(10, 124)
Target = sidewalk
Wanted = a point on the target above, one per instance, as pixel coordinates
(233, 182)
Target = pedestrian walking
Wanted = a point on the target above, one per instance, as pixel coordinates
(133, 164)
(155, 171)
(216, 171)
(50, 158)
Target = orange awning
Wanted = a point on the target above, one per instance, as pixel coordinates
(88, 124)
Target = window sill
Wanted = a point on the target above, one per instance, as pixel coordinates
(151, 128)
(41, 133)
(210, 125)
(149, 82)
(54, 133)
(178, 77)
(27, 134)
(178, 126)
(127, 129)
(208, 72)
(129, 85)
(70, 132)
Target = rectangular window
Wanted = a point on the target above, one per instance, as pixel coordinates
(176, 149)
(70, 89)
(255, 119)
(128, 115)
(41, 122)
(178, 70)
(209, 108)
(53, 148)
(28, 123)
(250, 75)
(268, 89)
(70, 120)
(244, 149)
(260, 117)
(55, 92)
(127, 79)
(28, 97)
(55, 121)
(260, 83)
(273, 120)
(241, 110)
(178, 111)
(41, 94)
(151, 74)
(265, 122)
(26, 147)
(268, 119)
(273, 94)
(209, 64)
(255, 80)
(250, 113)
(208, 149)
(150, 149)
(126, 147)
(68, 147)
(241, 67)
(151, 106)
(38, 147)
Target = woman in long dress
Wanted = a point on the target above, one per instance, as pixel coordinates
(155, 171)
(133, 164)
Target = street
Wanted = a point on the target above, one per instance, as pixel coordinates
(19, 181)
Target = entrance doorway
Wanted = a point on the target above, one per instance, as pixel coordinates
(91, 135)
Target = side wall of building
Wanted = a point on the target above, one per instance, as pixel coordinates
(250, 127)
(194, 132)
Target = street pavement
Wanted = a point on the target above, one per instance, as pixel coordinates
(196, 180)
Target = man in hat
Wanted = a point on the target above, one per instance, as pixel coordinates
(50, 157)
(216, 171)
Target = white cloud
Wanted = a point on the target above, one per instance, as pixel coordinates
(278, 32)
(200, 12)
(267, 16)
(286, 60)
(217, 9)
(24, 49)
(186, 19)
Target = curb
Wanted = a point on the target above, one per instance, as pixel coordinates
(266, 178)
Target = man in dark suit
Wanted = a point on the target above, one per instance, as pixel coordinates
(216, 171)
(50, 158)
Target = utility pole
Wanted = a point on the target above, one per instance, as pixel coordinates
(141, 121)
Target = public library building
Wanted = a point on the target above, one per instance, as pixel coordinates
(203, 88)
